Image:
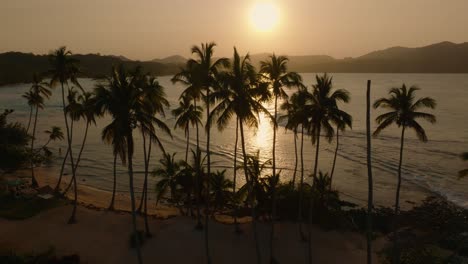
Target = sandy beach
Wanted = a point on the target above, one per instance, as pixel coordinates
(102, 236)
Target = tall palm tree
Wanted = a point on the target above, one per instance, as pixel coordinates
(463, 173)
(81, 106)
(323, 103)
(404, 111)
(190, 77)
(207, 70)
(29, 96)
(341, 119)
(275, 70)
(64, 70)
(154, 100)
(370, 195)
(293, 125)
(38, 92)
(187, 114)
(297, 115)
(242, 95)
(121, 98)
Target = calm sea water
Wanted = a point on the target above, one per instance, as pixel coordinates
(428, 167)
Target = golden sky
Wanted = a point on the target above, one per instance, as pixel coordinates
(148, 29)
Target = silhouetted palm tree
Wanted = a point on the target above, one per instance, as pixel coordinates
(275, 70)
(38, 92)
(64, 69)
(404, 112)
(154, 100)
(241, 95)
(207, 70)
(119, 97)
(187, 114)
(55, 133)
(169, 173)
(190, 77)
(322, 106)
(220, 191)
(464, 172)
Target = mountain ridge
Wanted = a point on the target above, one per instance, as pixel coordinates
(442, 57)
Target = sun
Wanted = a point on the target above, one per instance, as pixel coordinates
(264, 16)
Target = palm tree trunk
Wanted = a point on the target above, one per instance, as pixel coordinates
(301, 188)
(57, 187)
(254, 215)
(273, 194)
(69, 140)
(143, 189)
(76, 167)
(236, 225)
(111, 206)
(369, 175)
(132, 195)
(295, 158)
(30, 118)
(334, 158)
(188, 142)
(146, 157)
(207, 195)
(33, 178)
(396, 251)
(199, 225)
(311, 206)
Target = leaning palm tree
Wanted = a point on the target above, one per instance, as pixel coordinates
(119, 97)
(187, 114)
(54, 133)
(241, 95)
(323, 103)
(64, 70)
(29, 96)
(275, 70)
(207, 70)
(341, 119)
(38, 92)
(404, 112)
(463, 173)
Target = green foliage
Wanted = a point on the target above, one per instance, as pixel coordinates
(13, 142)
(14, 208)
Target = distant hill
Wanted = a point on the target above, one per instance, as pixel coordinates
(17, 67)
(444, 57)
(176, 59)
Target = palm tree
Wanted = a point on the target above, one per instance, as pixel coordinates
(80, 106)
(39, 90)
(207, 70)
(404, 112)
(190, 77)
(370, 197)
(323, 104)
(297, 115)
(55, 133)
(29, 96)
(220, 189)
(119, 97)
(341, 120)
(63, 70)
(187, 114)
(464, 172)
(154, 100)
(275, 70)
(169, 173)
(242, 95)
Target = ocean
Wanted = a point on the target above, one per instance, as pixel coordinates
(428, 168)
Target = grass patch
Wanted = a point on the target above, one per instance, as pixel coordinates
(12, 208)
